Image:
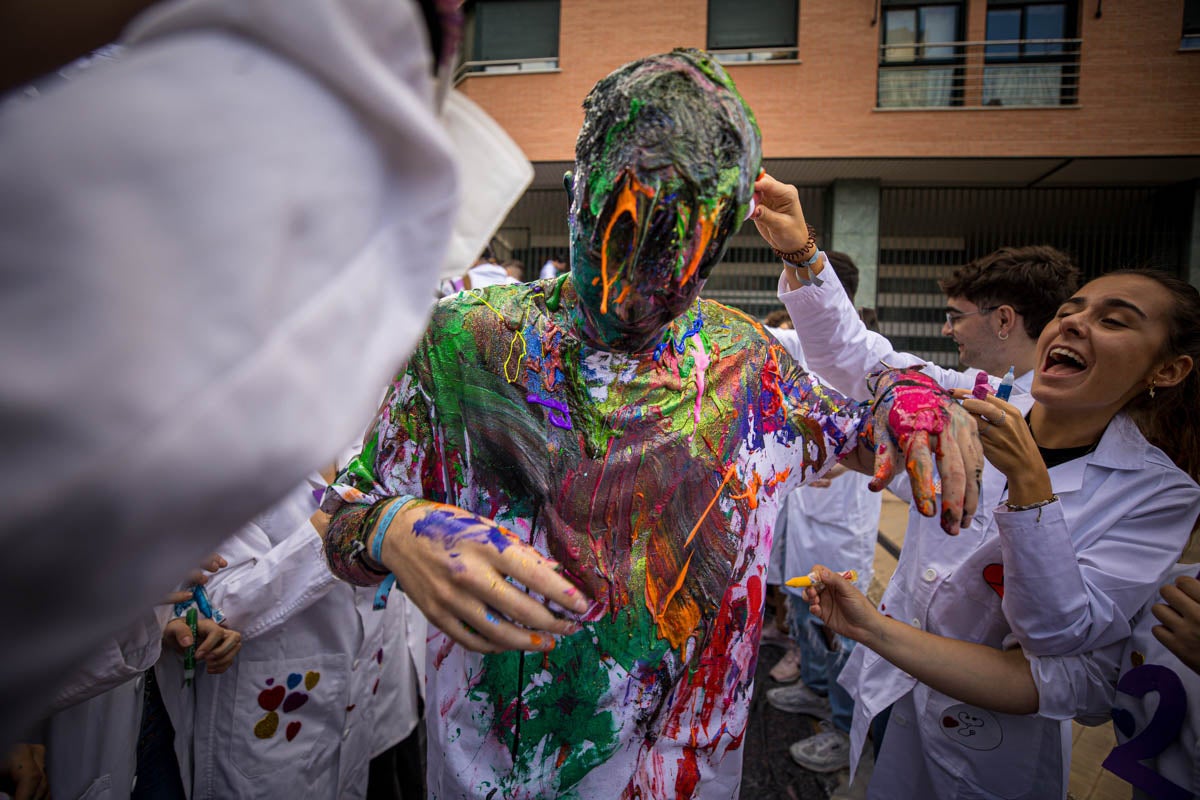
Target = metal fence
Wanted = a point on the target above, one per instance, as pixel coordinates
(926, 233)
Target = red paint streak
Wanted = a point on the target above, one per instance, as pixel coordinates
(688, 776)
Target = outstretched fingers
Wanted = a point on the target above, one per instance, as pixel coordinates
(885, 461)
(918, 463)
(954, 481)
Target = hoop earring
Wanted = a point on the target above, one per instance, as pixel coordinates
(1002, 335)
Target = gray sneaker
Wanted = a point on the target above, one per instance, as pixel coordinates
(827, 751)
(799, 699)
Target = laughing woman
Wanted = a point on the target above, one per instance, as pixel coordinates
(1095, 497)
(1092, 503)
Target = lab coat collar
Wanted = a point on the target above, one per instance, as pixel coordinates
(1122, 446)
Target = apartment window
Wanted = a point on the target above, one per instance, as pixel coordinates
(513, 35)
(752, 30)
(1191, 25)
(1031, 56)
(920, 62)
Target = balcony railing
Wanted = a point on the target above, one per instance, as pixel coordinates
(505, 67)
(755, 55)
(1005, 73)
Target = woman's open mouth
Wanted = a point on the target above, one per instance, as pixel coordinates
(1063, 361)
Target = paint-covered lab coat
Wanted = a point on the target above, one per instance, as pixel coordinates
(252, 202)
(323, 681)
(91, 740)
(834, 525)
(1063, 579)
(651, 697)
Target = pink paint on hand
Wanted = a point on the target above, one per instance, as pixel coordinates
(982, 388)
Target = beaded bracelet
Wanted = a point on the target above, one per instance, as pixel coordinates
(1031, 506)
(797, 256)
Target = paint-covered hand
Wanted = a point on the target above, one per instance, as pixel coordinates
(841, 606)
(916, 420)
(1010, 447)
(1180, 618)
(457, 567)
(217, 646)
(778, 215)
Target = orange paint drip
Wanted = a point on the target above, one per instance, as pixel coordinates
(729, 473)
(753, 487)
(707, 227)
(778, 477)
(675, 617)
(626, 204)
(624, 292)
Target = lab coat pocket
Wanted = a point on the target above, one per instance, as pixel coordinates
(991, 754)
(288, 715)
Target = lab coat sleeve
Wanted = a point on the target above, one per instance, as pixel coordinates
(266, 585)
(250, 204)
(1062, 597)
(1079, 687)
(840, 348)
(117, 660)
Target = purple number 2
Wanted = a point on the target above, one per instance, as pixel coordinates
(1163, 729)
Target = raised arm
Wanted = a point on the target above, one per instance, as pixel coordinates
(838, 346)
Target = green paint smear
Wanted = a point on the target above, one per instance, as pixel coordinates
(601, 181)
(562, 715)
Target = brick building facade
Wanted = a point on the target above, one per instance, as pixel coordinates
(921, 135)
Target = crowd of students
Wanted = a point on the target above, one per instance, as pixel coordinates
(578, 482)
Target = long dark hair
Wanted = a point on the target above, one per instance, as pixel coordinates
(1168, 420)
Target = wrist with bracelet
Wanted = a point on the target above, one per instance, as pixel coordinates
(1030, 506)
(374, 529)
(797, 260)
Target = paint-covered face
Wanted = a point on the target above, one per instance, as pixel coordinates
(642, 259)
(665, 166)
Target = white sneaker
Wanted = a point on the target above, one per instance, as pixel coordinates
(799, 699)
(787, 669)
(827, 751)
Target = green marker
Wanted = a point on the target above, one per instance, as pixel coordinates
(189, 655)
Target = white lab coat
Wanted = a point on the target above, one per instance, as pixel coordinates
(309, 639)
(836, 525)
(1151, 696)
(252, 203)
(91, 742)
(1063, 579)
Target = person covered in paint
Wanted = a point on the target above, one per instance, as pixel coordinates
(637, 436)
